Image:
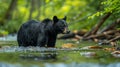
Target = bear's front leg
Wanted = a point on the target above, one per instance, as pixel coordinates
(51, 41)
(41, 42)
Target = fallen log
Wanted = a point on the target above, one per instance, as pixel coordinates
(114, 39)
(74, 34)
(102, 34)
(111, 26)
(111, 42)
(67, 36)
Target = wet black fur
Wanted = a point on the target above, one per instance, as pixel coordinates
(42, 34)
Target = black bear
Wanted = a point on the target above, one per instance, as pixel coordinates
(42, 34)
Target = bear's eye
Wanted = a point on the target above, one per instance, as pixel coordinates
(63, 25)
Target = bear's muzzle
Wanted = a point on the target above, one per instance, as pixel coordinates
(66, 30)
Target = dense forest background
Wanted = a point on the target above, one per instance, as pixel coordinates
(81, 14)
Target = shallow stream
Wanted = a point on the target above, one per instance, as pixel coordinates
(79, 55)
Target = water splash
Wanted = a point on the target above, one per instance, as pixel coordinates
(34, 49)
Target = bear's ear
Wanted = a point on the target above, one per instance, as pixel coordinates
(65, 18)
(55, 19)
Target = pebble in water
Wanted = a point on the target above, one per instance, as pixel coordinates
(116, 54)
(88, 54)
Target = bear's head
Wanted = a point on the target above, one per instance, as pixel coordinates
(60, 25)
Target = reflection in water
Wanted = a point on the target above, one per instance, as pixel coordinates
(10, 37)
(9, 65)
(63, 65)
(39, 56)
(82, 65)
(16, 65)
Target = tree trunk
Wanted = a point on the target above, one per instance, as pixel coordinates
(31, 9)
(43, 3)
(9, 12)
(38, 8)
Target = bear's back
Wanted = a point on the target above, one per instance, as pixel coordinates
(30, 23)
(46, 21)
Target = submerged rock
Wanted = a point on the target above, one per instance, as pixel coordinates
(116, 54)
(88, 54)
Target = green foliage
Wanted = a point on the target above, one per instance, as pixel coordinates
(110, 6)
(3, 32)
(3, 7)
(12, 26)
(77, 12)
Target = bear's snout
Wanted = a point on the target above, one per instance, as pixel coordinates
(66, 30)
